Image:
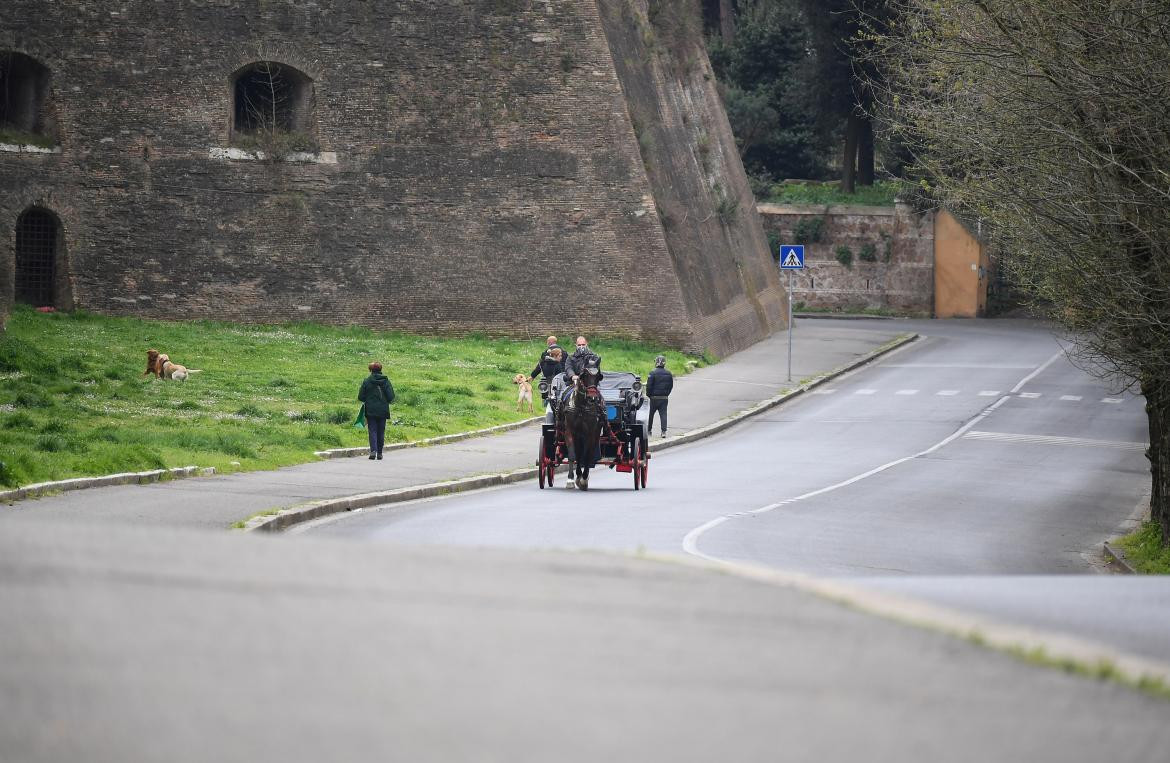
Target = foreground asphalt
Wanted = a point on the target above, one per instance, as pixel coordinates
(700, 398)
(123, 643)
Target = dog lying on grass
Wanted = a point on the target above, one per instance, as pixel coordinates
(159, 364)
(524, 393)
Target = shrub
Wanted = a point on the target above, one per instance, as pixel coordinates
(51, 444)
(809, 230)
(340, 415)
(845, 256)
(868, 253)
(19, 420)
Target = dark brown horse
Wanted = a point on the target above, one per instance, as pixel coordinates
(583, 415)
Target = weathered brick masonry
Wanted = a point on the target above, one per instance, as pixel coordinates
(900, 275)
(479, 169)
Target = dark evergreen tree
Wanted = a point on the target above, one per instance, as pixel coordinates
(765, 76)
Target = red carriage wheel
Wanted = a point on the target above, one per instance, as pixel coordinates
(636, 461)
(541, 458)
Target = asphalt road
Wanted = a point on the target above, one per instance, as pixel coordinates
(140, 644)
(979, 451)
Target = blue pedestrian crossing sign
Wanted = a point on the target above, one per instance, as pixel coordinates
(792, 257)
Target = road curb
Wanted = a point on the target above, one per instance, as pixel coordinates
(125, 478)
(1037, 645)
(282, 519)
(1117, 556)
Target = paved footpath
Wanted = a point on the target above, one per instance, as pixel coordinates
(699, 399)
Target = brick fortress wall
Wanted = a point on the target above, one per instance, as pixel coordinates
(478, 170)
(901, 241)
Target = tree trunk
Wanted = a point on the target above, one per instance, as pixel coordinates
(727, 20)
(1157, 394)
(849, 153)
(865, 152)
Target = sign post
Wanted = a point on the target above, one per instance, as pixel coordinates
(791, 258)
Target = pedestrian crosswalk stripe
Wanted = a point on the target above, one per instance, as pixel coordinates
(1030, 395)
(906, 392)
(1073, 398)
(1111, 400)
(988, 392)
(823, 391)
(947, 392)
(865, 392)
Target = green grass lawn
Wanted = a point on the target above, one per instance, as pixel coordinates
(1144, 550)
(881, 193)
(73, 401)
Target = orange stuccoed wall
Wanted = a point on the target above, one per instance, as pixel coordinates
(961, 270)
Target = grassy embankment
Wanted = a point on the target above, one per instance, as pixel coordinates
(73, 401)
(1144, 550)
(881, 193)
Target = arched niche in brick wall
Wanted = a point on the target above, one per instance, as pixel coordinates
(272, 107)
(25, 113)
(40, 269)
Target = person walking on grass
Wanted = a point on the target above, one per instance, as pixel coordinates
(376, 394)
(658, 387)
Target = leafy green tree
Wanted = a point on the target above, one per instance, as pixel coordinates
(1049, 121)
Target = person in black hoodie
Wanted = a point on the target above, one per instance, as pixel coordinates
(376, 394)
(658, 387)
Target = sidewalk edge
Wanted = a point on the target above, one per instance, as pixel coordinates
(281, 519)
(124, 478)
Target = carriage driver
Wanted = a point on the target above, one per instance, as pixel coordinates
(582, 359)
(574, 366)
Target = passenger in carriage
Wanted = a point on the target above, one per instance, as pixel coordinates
(551, 363)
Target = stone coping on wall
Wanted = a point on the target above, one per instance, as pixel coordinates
(28, 148)
(825, 209)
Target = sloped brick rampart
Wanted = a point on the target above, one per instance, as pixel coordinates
(478, 170)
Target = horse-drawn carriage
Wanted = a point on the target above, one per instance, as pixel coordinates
(600, 423)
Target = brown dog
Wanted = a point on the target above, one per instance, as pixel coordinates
(159, 364)
(152, 364)
(524, 393)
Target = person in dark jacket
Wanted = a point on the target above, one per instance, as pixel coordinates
(578, 362)
(376, 394)
(658, 387)
(581, 359)
(551, 363)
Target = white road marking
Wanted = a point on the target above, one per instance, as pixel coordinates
(865, 392)
(1073, 398)
(906, 392)
(956, 365)
(947, 392)
(823, 391)
(691, 541)
(1037, 372)
(988, 392)
(1111, 400)
(1030, 395)
(1039, 439)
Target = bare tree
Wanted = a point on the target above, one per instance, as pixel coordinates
(1049, 120)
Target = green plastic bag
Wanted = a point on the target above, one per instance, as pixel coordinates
(360, 421)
